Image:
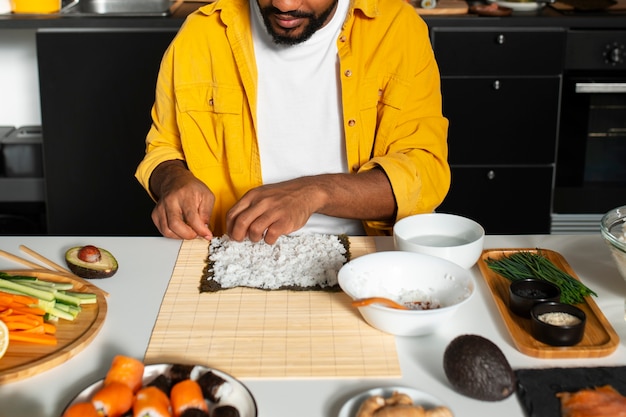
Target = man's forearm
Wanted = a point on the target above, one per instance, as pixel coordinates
(166, 171)
(365, 196)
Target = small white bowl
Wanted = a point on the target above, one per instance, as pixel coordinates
(448, 236)
(407, 277)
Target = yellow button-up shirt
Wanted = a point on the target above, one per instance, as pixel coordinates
(205, 105)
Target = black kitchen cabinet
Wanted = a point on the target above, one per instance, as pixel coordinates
(501, 89)
(97, 88)
(504, 199)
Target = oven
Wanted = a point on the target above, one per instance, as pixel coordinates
(590, 177)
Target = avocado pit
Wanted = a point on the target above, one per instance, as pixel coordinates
(90, 261)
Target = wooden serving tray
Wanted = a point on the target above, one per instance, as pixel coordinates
(600, 338)
(23, 360)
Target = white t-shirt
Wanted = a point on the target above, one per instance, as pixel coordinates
(299, 114)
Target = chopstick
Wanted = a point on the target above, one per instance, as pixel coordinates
(19, 260)
(47, 261)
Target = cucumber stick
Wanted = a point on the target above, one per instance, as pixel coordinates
(54, 298)
(27, 290)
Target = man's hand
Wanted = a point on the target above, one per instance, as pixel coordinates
(184, 205)
(269, 211)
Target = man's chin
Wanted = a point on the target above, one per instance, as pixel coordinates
(290, 37)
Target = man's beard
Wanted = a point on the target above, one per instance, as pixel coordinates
(315, 23)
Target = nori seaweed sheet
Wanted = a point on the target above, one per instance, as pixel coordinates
(208, 284)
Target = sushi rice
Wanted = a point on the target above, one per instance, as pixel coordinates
(304, 261)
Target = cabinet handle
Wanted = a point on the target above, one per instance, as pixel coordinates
(500, 39)
(592, 88)
(491, 174)
(496, 85)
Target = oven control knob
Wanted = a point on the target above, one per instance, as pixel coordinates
(614, 53)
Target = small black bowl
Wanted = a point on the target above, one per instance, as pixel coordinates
(526, 293)
(557, 333)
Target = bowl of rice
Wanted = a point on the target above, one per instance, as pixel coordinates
(613, 229)
(449, 236)
(433, 290)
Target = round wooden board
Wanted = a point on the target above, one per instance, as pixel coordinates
(24, 359)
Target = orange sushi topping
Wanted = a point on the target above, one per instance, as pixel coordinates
(187, 394)
(114, 399)
(126, 370)
(84, 409)
(151, 401)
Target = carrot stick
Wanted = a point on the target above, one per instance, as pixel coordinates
(25, 316)
(25, 327)
(35, 311)
(49, 328)
(42, 339)
(6, 297)
(24, 299)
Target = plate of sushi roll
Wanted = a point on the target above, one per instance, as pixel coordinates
(132, 389)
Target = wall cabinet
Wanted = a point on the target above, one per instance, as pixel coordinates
(97, 88)
(501, 89)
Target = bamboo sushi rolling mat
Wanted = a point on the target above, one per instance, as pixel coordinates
(253, 333)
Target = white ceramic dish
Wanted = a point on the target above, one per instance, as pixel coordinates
(520, 6)
(351, 407)
(448, 236)
(407, 277)
(240, 397)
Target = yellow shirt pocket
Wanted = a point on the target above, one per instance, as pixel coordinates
(210, 120)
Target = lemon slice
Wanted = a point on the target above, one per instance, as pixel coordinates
(4, 338)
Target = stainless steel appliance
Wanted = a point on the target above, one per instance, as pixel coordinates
(591, 157)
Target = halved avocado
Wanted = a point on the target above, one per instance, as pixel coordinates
(105, 267)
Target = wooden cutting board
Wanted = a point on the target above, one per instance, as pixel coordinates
(24, 359)
(252, 333)
(600, 338)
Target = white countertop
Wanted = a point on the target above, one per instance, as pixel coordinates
(146, 264)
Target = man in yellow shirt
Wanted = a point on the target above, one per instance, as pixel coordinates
(274, 117)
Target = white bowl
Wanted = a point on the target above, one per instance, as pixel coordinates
(613, 229)
(407, 277)
(448, 236)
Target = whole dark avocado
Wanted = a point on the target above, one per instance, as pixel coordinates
(91, 262)
(477, 368)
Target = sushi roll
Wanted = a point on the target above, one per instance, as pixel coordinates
(214, 387)
(180, 372)
(151, 402)
(82, 409)
(187, 394)
(113, 400)
(162, 382)
(126, 370)
(225, 411)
